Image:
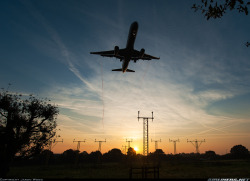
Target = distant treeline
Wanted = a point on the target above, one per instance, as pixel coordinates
(74, 157)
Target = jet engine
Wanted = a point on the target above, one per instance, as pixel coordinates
(116, 50)
(142, 52)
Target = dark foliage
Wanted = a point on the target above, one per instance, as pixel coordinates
(114, 155)
(239, 151)
(26, 126)
(216, 9)
(69, 156)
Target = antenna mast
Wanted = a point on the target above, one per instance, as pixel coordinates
(145, 132)
(125, 149)
(156, 143)
(174, 141)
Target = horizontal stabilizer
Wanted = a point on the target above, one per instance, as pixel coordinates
(128, 70)
(117, 70)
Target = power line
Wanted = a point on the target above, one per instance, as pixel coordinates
(196, 144)
(145, 132)
(174, 141)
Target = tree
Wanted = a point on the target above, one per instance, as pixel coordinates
(95, 157)
(131, 152)
(213, 9)
(70, 156)
(114, 155)
(131, 156)
(84, 157)
(239, 151)
(26, 126)
(210, 155)
(45, 157)
(159, 152)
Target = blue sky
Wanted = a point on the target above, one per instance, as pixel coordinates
(199, 89)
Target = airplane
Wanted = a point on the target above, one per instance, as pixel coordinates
(128, 53)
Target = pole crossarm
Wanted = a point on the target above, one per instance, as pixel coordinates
(78, 144)
(100, 145)
(196, 144)
(129, 141)
(55, 142)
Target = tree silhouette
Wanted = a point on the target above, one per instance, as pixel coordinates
(159, 151)
(239, 151)
(95, 157)
(216, 9)
(45, 157)
(210, 155)
(131, 152)
(26, 126)
(114, 155)
(70, 156)
(84, 157)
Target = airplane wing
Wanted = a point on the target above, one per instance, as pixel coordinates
(110, 53)
(137, 55)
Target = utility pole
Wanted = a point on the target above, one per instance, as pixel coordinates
(125, 149)
(174, 141)
(51, 143)
(100, 145)
(129, 142)
(156, 143)
(78, 144)
(145, 132)
(196, 144)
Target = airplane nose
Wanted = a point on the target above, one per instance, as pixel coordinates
(135, 24)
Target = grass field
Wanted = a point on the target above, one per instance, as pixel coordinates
(171, 169)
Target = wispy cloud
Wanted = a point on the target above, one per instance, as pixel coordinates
(62, 47)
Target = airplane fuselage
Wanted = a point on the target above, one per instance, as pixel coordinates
(130, 45)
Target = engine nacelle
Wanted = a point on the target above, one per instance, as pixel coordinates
(142, 52)
(116, 50)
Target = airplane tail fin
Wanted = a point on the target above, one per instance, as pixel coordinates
(128, 70)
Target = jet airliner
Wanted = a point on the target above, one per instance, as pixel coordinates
(128, 53)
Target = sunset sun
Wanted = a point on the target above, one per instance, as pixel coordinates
(136, 149)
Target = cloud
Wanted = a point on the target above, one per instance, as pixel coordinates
(62, 47)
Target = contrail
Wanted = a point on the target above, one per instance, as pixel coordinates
(54, 35)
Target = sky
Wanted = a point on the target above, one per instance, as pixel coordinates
(199, 89)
